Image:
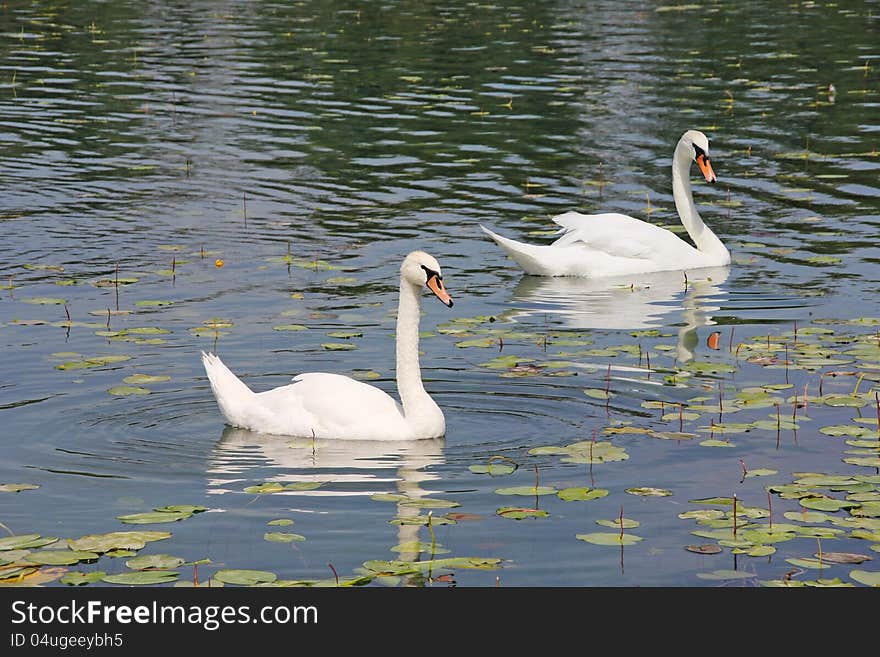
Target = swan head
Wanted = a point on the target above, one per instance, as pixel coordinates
(420, 269)
(698, 144)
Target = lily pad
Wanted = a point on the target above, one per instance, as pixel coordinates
(627, 523)
(283, 537)
(526, 490)
(17, 488)
(290, 327)
(517, 513)
(844, 557)
(869, 578)
(133, 540)
(152, 517)
(609, 538)
(181, 508)
(160, 561)
(142, 577)
(25, 541)
(244, 577)
(121, 391)
(280, 522)
(77, 578)
(60, 557)
(649, 491)
(575, 494)
(493, 469)
(705, 548)
(827, 504)
(146, 379)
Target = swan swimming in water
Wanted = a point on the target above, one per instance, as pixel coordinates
(328, 405)
(612, 244)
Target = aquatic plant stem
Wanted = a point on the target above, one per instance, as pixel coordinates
(734, 516)
(334, 572)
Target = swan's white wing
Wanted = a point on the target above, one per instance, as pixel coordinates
(621, 236)
(331, 405)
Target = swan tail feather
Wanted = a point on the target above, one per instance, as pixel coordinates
(232, 395)
(530, 257)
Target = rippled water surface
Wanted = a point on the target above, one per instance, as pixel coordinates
(307, 147)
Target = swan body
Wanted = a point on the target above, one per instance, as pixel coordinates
(324, 405)
(612, 244)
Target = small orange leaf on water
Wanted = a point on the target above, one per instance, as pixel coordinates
(218, 263)
(712, 340)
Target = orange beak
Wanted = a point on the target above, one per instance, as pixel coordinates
(436, 286)
(706, 168)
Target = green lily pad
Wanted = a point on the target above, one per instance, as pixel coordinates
(283, 537)
(806, 516)
(826, 504)
(244, 577)
(628, 523)
(866, 534)
(133, 540)
(649, 491)
(517, 513)
(598, 393)
(847, 430)
(717, 443)
(181, 508)
(477, 342)
(25, 541)
(429, 503)
(142, 577)
(706, 548)
(44, 301)
(526, 490)
(702, 514)
(153, 303)
(869, 578)
(77, 578)
(121, 391)
(290, 327)
(16, 572)
(338, 346)
(17, 488)
(760, 551)
(609, 538)
(152, 517)
(845, 400)
(160, 561)
(493, 469)
(833, 582)
(60, 557)
(146, 379)
(345, 335)
(576, 494)
(725, 575)
(280, 522)
(808, 563)
(867, 510)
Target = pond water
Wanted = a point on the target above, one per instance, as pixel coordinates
(180, 177)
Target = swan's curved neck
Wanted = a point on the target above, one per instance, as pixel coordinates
(409, 374)
(703, 237)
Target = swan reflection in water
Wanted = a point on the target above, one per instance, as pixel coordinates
(349, 467)
(640, 302)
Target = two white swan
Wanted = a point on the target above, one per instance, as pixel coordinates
(335, 406)
(611, 244)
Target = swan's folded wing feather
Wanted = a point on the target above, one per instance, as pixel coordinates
(618, 235)
(332, 404)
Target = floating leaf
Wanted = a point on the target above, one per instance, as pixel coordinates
(152, 517)
(477, 342)
(181, 508)
(244, 577)
(869, 578)
(25, 541)
(142, 577)
(77, 578)
(526, 490)
(122, 391)
(133, 540)
(283, 537)
(290, 327)
(494, 469)
(338, 346)
(60, 557)
(627, 523)
(844, 557)
(597, 393)
(430, 503)
(161, 561)
(806, 516)
(760, 472)
(826, 504)
(146, 379)
(702, 514)
(517, 513)
(581, 494)
(609, 538)
(153, 303)
(16, 488)
(717, 443)
(345, 335)
(45, 301)
(280, 522)
(725, 575)
(649, 491)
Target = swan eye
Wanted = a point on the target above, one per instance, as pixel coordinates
(431, 274)
(698, 152)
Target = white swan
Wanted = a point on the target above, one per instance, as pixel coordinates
(611, 244)
(335, 406)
